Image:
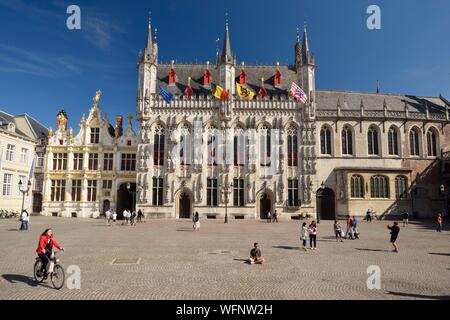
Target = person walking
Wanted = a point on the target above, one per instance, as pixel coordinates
(349, 229)
(439, 223)
(196, 220)
(269, 217)
(312, 235)
(355, 227)
(133, 219)
(395, 230)
(275, 216)
(108, 217)
(114, 217)
(304, 235)
(337, 230)
(24, 219)
(405, 218)
(139, 216)
(369, 215)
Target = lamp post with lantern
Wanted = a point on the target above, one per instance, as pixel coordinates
(23, 191)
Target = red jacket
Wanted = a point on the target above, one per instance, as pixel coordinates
(44, 240)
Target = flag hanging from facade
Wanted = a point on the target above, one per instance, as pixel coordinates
(166, 95)
(188, 91)
(244, 93)
(220, 93)
(298, 93)
(31, 175)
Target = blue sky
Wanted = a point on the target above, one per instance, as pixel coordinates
(44, 66)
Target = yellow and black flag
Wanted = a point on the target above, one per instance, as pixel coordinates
(244, 93)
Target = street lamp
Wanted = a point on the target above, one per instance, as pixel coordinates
(322, 187)
(226, 189)
(133, 194)
(22, 190)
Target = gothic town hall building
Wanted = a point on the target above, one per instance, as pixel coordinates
(341, 153)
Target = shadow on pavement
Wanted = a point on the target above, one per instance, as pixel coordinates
(439, 254)
(374, 250)
(418, 296)
(14, 278)
(286, 247)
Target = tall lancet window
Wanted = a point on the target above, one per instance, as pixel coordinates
(393, 142)
(264, 145)
(432, 143)
(414, 142)
(372, 141)
(185, 145)
(347, 141)
(239, 146)
(158, 156)
(292, 145)
(325, 141)
(213, 143)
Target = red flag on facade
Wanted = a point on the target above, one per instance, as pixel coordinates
(262, 91)
(224, 96)
(188, 91)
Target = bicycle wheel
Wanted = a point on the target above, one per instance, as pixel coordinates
(58, 277)
(38, 274)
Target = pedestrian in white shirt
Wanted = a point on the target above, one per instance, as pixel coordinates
(108, 217)
(24, 219)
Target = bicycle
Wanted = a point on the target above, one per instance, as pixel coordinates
(55, 271)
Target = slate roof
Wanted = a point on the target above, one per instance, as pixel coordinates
(5, 119)
(39, 129)
(325, 99)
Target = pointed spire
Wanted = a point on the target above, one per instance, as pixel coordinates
(305, 45)
(378, 87)
(226, 55)
(298, 51)
(149, 44)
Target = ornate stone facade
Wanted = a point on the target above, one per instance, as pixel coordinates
(88, 173)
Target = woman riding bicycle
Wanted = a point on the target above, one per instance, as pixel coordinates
(45, 248)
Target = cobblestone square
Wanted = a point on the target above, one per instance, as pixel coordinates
(164, 259)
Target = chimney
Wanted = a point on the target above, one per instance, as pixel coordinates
(118, 128)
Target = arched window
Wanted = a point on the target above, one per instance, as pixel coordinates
(393, 148)
(347, 141)
(325, 141)
(292, 145)
(379, 187)
(185, 145)
(239, 146)
(357, 187)
(372, 141)
(212, 146)
(264, 145)
(432, 143)
(242, 77)
(277, 79)
(158, 146)
(401, 187)
(172, 77)
(414, 142)
(206, 78)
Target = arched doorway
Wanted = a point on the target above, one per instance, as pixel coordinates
(125, 198)
(326, 204)
(106, 205)
(265, 205)
(184, 205)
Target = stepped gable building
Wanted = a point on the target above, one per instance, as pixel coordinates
(339, 154)
(92, 171)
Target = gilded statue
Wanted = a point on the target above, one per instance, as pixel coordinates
(98, 94)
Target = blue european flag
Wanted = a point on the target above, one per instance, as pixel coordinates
(166, 95)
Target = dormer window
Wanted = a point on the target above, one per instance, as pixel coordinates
(172, 77)
(207, 78)
(95, 135)
(277, 79)
(243, 77)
